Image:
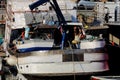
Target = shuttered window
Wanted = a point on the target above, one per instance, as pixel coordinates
(3, 4)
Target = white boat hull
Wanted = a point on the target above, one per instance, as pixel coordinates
(64, 68)
(65, 62)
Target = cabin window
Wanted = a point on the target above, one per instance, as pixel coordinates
(41, 33)
(3, 4)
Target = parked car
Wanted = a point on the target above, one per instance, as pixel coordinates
(86, 5)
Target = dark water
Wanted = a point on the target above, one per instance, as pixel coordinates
(28, 77)
(114, 52)
(114, 58)
(77, 77)
(73, 77)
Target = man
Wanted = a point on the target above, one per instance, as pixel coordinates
(27, 29)
(77, 33)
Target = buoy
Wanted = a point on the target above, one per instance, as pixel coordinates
(11, 60)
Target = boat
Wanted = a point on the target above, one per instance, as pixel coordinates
(39, 56)
(49, 50)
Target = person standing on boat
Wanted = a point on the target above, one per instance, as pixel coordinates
(23, 33)
(14, 35)
(12, 49)
(21, 37)
(107, 12)
(27, 29)
(77, 33)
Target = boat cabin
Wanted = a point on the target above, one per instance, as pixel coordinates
(44, 37)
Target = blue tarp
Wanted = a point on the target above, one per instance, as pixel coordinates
(24, 50)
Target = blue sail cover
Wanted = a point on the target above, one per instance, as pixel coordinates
(24, 50)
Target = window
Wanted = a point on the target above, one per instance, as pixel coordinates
(3, 4)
